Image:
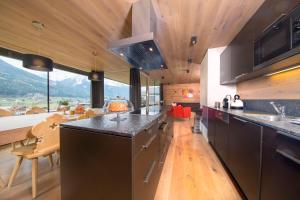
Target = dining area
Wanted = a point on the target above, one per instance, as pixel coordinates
(30, 150)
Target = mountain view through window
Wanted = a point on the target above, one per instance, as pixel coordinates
(21, 88)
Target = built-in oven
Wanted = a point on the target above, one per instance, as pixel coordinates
(276, 40)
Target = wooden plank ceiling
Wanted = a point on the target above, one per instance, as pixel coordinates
(76, 28)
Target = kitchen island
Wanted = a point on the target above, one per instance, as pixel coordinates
(104, 159)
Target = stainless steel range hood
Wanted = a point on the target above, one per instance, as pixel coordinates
(141, 50)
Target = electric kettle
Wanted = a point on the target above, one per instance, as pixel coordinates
(237, 103)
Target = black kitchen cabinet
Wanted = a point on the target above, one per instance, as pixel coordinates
(245, 155)
(242, 53)
(225, 66)
(280, 166)
(100, 165)
(237, 60)
(221, 135)
(166, 135)
(89, 167)
(146, 169)
(211, 126)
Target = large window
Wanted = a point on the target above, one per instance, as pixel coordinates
(68, 88)
(144, 80)
(115, 90)
(21, 88)
(154, 93)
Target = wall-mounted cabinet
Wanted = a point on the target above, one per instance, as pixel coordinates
(237, 60)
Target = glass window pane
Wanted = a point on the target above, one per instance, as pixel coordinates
(151, 93)
(114, 89)
(143, 90)
(21, 88)
(68, 89)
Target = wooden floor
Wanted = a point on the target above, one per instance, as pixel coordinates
(191, 172)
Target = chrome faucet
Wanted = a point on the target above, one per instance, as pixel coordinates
(280, 110)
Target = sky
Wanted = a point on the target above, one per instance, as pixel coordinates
(54, 76)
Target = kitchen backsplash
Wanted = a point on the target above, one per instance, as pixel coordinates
(280, 86)
(292, 106)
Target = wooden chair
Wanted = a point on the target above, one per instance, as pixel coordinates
(35, 110)
(56, 119)
(48, 144)
(4, 112)
(2, 184)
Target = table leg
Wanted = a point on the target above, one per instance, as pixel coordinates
(1, 183)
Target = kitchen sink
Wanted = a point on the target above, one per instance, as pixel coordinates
(293, 120)
(272, 118)
(267, 117)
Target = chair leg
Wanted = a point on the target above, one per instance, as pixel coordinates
(2, 184)
(13, 146)
(22, 143)
(50, 158)
(15, 171)
(34, 176)
(58, 158)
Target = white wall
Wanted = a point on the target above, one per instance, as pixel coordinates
(215, 91)
(203, 80)
(211, 90)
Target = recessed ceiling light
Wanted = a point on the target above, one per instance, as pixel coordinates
(38, 25)
(140, 68)
(121, 54)
(150, 49)
(194, 40)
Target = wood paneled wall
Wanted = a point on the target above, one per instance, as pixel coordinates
(174, 93)
(285, 85)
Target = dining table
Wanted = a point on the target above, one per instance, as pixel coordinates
(16, 128)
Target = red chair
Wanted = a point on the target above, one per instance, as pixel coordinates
(180, 112)
(187, 112)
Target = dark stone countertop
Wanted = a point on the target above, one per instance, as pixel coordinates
(287, 128)
(133, 124)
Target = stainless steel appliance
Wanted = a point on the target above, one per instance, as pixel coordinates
(237, 103)
(141, 50)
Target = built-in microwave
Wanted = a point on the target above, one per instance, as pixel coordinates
(276, 40)
(279, 40)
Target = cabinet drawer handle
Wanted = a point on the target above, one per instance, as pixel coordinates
(162, 125)
(165, 127)
(290, 135)
(162, 158)
(147, 145)
(288, 156)
(148, 176)
(241, 120)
